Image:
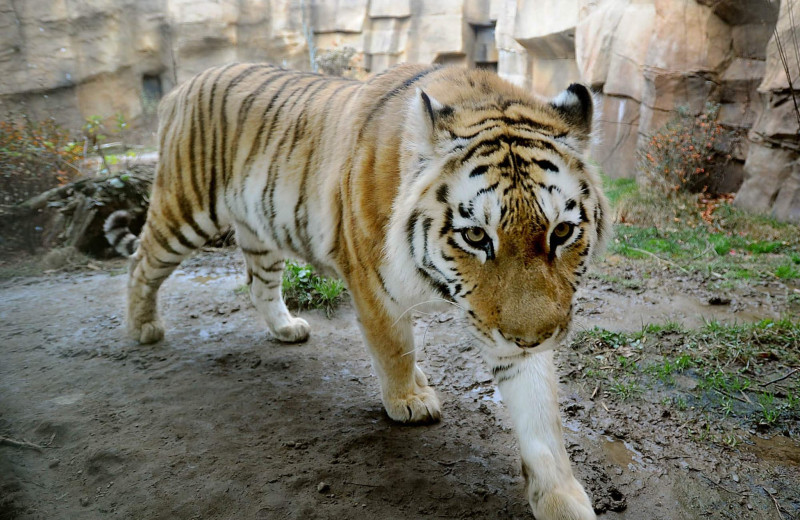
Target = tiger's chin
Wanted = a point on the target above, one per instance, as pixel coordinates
(501, 350)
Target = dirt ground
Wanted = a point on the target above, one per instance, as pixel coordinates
(219, 421)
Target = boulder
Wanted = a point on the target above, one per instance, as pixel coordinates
(595, 36)
(788, 32)
(546, 28)
(389, 9)
(617, 133)
(739, 12)
(338, 15)
(629, 51)
(770, 173)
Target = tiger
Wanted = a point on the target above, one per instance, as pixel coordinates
(419, 187)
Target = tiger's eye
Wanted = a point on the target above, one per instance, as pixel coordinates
(475, 237)
(562, 230)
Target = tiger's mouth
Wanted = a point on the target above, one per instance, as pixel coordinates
(500, 348)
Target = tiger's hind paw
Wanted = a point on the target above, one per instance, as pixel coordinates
(149, 332)
(296, 331)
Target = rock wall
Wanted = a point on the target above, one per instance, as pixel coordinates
(72, 59)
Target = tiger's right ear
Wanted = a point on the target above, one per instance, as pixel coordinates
(421, 121)
(576, 106)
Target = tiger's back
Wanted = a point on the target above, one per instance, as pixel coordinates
(421, 184)
(241, 144)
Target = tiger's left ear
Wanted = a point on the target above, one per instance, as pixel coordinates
(421, 121)
(576, 106)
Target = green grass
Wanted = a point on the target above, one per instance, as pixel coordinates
(667, 367)
(625, 389)
(303, 288)
(737, 245)
(729, 364)
(619, 189)
(787, 272)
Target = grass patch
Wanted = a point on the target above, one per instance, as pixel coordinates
(625, 389)
(734, 368)
(701, 235)
(617, 190)
(303, 288)
(787, 272)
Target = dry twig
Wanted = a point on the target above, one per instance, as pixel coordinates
(7, 441)
(787, 376)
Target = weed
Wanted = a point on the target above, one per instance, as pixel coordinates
(724, 382)
(663, 328)
(764, 246)
(625, 389)
(680, 403)
(303, 288)
(730, 440)
(35, 156)
(664, 371)
(683, 362)
(770, 412)
(616, 280)
(328, 292)
(726, 403)
(793, 401)
(787, 272)
(689, 153)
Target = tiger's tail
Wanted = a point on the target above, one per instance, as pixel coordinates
(117, 231)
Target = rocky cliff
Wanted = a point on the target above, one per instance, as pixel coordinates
(72, 59)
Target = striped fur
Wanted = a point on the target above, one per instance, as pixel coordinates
(417, 187)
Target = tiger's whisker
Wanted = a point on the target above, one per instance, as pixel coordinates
(424, 303)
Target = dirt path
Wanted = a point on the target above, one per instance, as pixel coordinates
(218, 421)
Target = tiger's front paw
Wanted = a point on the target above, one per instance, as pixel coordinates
(567, 503)
(420, 405)
(295, 330)
(148, 332)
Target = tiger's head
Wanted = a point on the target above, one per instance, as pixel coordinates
(499, 211)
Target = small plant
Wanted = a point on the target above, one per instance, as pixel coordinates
(727, 406)
(336, 62)
(303, 288)
(787, 272)
(625, 389)
(94, 131)
(769, 411)
(35, 156)
(730, 440)
(689, 154)
(627, 364)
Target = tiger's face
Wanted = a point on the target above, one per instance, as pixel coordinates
(507, 215)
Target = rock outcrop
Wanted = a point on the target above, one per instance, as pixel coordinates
(78, 58)
(772, 168)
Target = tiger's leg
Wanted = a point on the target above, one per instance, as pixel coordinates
(528, 387)
(265, 277)
(405, 392)
(160, 252)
